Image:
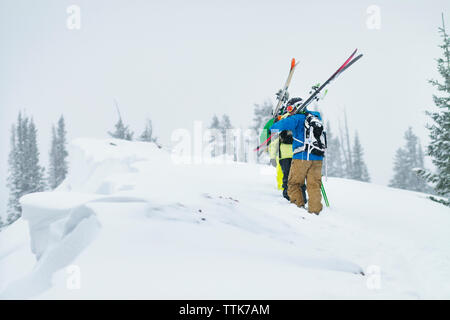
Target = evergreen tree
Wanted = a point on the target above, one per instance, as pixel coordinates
(346, 151)
(401, 171)
(439, 130)
(359, 168)
(261, 114)
(225, 125)
(333, 155)
(420, 157)
(14, 175)
(215, 123)
(215, 128)
(34, 172)
(25, 174)
(349, 165)
(58, 166)
(408, 160)
(53, 159)
(220, 141)
(148, 135)
(121, 130)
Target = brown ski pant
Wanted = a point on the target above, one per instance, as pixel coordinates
(311, 170)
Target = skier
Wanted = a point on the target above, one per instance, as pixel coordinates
(308, 147)
(265, 134)
(280, 151)
(309, 142)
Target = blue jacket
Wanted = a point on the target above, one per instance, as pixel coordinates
(296, 124)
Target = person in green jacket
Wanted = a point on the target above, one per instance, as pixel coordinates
(280, 152)
(265, 134)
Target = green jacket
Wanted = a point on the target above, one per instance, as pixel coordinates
(265, 134)
(276, 149)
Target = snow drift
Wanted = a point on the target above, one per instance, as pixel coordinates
(133, 224)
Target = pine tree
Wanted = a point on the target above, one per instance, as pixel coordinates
(58, 166)
(422, 182)
(359, 168)
(53, 159)
(408, 160)
(121, 130)
(14, 175)
(349, 167)
(147, 135)
(35, 173)
(420, 159)
(225, 125)
(333, 155)
(439, 130)
(346, 150)
(215, 131)
(25, 174)
(261, 114)
(401, 171)
(221, 140)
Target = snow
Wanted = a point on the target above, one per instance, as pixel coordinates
(128, 222)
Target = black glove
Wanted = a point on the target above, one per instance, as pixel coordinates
(273, 162)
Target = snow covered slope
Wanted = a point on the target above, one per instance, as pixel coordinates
(129, 223)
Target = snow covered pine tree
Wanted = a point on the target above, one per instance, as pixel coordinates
(359, 168)
(333, 157)
(121, 130)
(407, 161)
(25, 174)
(439, 147)
(58, 166)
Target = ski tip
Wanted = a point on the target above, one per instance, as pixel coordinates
(292, 63)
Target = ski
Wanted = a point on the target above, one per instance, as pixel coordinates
(284, 91)
(341, 69)
(281, 97)
(324, 194)
(264, 143)
(311, 98)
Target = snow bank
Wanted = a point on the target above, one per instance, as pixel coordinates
(136, 225)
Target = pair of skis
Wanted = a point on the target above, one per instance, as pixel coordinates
(282, 97)
(350, 60)
(341, 69)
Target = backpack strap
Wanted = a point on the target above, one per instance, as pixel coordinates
(298, 149)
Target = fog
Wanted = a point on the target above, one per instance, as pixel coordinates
(176, 62)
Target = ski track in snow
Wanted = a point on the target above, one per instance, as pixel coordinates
(127, 213)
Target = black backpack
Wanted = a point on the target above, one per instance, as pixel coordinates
(315, 137)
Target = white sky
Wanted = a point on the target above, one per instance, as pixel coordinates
(180, 61)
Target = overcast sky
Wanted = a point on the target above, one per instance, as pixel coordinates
(180, 61)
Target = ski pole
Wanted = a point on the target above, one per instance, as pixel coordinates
(324, 194)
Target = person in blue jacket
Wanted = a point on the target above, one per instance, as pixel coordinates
(305, 164)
